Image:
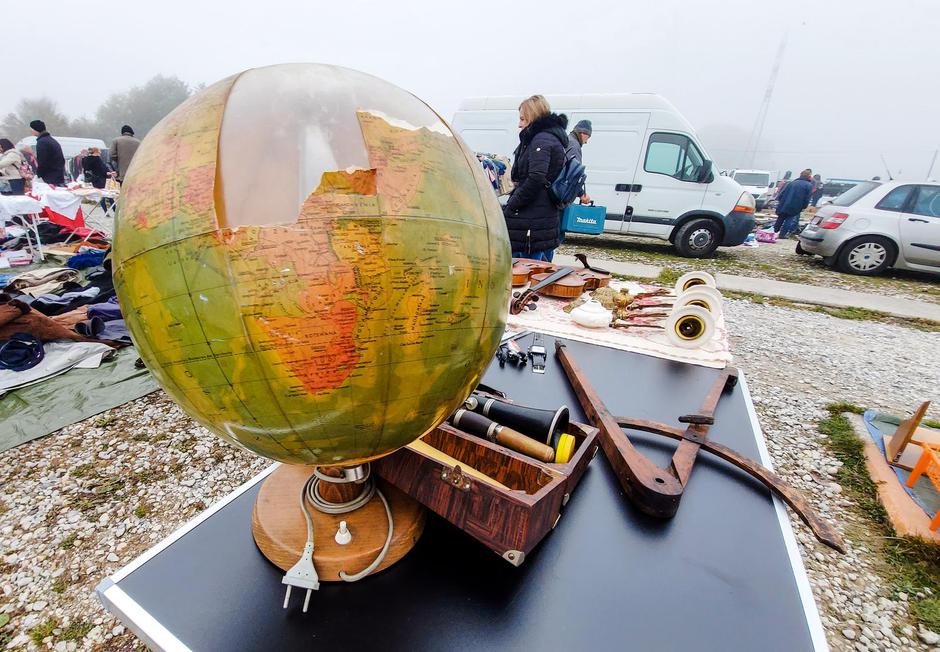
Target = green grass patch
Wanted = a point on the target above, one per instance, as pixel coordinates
(669, 276)
(42, 630)
(912, 564)
(59, 585)
(82, 471)
(142, 510)
(105, 421)
(930, 423)
(68, 542)
(76, 631)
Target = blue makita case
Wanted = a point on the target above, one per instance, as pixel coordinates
(583, 218)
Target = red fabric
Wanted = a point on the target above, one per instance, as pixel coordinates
(62, 220)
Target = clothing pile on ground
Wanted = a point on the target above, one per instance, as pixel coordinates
(53, 319)
(18, 242)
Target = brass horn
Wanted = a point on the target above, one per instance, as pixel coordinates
(542, 425)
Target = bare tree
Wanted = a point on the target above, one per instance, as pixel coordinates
(142, 106)
(16, 125)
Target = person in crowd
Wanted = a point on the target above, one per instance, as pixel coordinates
(96, 172)
(817, 190)
(51, 162)
(75, 164)
(30, 157)
(579, 137)
(790, 203)
(532, 218)
(122, 151)
(11, 162)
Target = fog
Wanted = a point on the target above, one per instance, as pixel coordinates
(857, 80)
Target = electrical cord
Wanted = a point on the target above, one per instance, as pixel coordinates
(303, 574)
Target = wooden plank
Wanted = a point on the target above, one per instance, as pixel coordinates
(902, 436)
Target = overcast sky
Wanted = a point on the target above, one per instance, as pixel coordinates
(858, 78)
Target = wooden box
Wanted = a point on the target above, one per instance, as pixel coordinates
(453, 473)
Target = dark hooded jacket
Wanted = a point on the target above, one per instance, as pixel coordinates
(51, 161)
(532, 218)
(794, 197)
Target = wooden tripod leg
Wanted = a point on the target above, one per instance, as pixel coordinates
(654, 490)
(822, 530)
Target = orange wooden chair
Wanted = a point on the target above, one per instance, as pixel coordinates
(928, 463)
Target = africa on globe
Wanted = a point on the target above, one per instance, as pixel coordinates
(310, 263)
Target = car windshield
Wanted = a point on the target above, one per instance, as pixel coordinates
(855, 193)
(752, 179)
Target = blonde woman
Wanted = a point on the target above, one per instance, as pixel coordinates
(94, 169)
(532, 218)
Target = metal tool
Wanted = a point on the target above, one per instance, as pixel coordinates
(656, 490)
(537, 354)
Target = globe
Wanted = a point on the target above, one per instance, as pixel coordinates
(311, 263)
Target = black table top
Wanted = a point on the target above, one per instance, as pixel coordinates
(724, 574)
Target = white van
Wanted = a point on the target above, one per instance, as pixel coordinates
(644, 163)
(762, 184)
(70, 145)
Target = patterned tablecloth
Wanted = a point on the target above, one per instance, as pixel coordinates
(549, 317)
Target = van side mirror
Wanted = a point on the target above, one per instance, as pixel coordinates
(705, 172)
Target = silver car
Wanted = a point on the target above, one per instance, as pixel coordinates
(875, 225)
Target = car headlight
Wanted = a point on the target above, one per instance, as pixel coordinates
(746, 203)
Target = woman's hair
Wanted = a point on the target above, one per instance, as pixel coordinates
(94, 151)
(534, 108)
(5, 144)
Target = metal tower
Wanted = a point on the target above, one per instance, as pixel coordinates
(753, 141)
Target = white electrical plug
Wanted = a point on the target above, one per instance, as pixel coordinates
(302, 575)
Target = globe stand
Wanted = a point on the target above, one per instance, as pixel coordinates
(280, 529)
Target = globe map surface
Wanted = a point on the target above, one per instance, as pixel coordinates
(311, 263)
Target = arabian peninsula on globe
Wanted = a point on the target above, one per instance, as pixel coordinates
(311, 263)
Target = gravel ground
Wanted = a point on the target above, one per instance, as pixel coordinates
(85, 501)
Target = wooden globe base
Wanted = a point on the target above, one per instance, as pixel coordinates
(280, 531)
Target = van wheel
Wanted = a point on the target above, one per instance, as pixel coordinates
(697, 238)
(867, 256)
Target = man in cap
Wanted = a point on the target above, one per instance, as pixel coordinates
(790, 203)
(577, 139)
(50, 161)
(123, 149)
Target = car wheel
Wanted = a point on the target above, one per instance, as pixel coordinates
(697, 238)
(867, 256)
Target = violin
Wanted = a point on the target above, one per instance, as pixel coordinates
(553, 280)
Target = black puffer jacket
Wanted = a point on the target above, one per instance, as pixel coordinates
(51, 162)
(531, 216)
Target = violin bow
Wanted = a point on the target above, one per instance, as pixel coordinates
(656, 490)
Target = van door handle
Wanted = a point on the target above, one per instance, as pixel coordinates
(628, 212)
(916, 219)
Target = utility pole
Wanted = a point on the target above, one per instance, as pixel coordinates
(753, 141)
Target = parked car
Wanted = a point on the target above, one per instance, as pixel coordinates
(644, 162)
(762, 184)
(874, 226)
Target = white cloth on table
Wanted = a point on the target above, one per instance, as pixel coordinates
(60, 200)
(11, 205)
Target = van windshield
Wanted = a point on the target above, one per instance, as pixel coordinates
(855, 193)
(752, 179)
